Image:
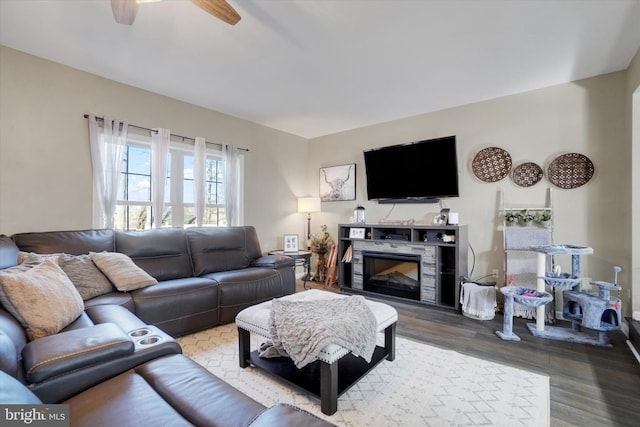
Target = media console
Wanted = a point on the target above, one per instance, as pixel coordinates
(416, 263)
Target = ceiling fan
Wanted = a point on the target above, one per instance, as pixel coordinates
(124, 11)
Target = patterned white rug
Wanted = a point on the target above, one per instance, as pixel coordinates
(425, 385)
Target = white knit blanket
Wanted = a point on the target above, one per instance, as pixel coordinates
(303, 328)
(478, 301)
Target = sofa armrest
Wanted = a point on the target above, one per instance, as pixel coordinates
(282, 414)
(65, 352)
(59, 388)
(273, 261)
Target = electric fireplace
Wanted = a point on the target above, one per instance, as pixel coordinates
(392, 274)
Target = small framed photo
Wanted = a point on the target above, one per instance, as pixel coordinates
(356, 233)
(290, 243)
(338, 183)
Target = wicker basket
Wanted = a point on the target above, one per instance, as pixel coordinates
(491, 164)
(571, 170)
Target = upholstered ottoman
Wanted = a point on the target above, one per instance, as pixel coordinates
(337, 368)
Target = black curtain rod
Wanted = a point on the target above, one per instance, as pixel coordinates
(86, 116)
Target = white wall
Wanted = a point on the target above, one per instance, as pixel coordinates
(587, 116)
(45, 165)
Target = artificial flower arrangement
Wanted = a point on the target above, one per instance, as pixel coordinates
(543, 217)
(525, 217)
(511, 218)
(321, 243)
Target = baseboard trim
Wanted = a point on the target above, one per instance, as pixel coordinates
(634, 351)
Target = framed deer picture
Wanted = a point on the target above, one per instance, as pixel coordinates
(338, 183)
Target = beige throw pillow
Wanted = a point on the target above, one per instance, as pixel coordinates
(122, 271)
(86, 277)
(42, 298)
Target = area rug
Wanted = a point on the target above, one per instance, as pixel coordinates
(424, 386)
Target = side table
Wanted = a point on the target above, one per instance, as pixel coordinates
(302, 258)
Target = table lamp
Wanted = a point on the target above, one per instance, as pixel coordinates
(308, 205)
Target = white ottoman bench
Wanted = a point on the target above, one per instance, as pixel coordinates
(338, 368)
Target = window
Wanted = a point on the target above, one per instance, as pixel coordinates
(134, 208)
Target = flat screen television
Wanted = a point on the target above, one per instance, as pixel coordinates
(417, 172)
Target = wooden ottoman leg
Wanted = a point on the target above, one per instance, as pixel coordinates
(390, 341)
(329, 387)
(244, 342)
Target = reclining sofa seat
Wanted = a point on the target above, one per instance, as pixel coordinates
(205, 275)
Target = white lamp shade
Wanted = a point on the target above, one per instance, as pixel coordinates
(124, 11)
(308, 204)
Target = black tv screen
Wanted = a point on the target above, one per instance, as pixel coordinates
(417, 172)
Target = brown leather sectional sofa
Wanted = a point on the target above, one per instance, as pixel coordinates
(118, 362)
(206, 275)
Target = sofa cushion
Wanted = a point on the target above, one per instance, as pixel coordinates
(14, 392)
(12, 339)
(122, 299)
(221, 249)
(160, 252)
(169, 391)
(8, 252)
(42, 298)
(179, 306)
(85, 276)
(122, 271)
(70, 242)
(240, 289)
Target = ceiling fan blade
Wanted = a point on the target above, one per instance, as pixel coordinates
(220, 9)
(124, 11)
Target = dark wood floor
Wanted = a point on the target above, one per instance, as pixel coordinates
(589, 385)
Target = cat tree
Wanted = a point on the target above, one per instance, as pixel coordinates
(597, 311)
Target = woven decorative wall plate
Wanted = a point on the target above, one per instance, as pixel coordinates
(491, 164)
(570, 170)
(527, 174)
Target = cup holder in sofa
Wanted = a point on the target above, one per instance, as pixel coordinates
(150, 340)
(136, 333)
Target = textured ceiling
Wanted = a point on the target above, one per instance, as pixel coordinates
(317, 67)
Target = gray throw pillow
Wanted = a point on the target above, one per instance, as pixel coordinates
(41, 298)
(34, 258)
(85, 276)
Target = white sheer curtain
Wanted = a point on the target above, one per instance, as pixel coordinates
(231, 168)
(107, 147)
(159, 151)
(199, 188)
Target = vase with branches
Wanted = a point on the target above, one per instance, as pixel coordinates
(320, 245)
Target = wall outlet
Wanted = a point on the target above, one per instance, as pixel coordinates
(494, 273)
